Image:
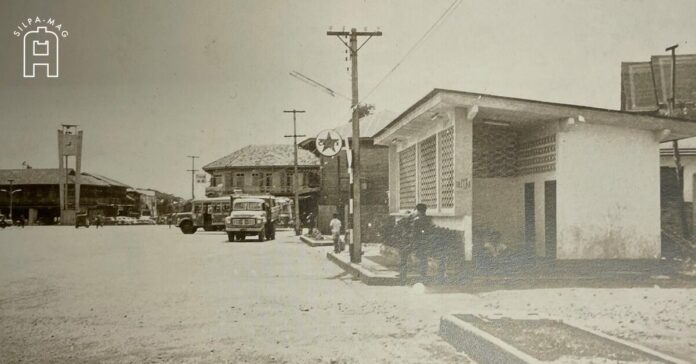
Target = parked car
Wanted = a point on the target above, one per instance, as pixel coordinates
(81, 220)
(4, 222)
(125, 220)
(108, 220)
(145, 220)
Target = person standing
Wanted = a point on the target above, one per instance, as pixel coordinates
(421, 234)
(336, 225)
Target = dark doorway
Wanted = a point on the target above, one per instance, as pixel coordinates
(550, 218)
(529, 217)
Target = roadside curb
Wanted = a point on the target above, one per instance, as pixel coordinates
(364, 275)
(314, 243)
(486, 348)
(480, 345)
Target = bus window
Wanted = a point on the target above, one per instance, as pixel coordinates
(226, 207)
(216, 208)
(187, 207)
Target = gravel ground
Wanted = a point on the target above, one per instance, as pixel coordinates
(152, 294)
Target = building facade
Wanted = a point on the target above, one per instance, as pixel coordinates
(257, 169)
(541, 179)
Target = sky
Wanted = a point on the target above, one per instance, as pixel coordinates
(150, 82)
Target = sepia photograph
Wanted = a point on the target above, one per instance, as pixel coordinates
(348, 181)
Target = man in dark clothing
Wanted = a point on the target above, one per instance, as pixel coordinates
(421, 226)
(406, 243)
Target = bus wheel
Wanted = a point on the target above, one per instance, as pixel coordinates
(231, 236)
(187, 227)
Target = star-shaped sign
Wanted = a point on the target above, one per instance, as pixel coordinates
(328, 143)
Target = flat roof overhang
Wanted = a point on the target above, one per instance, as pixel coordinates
(521, 113)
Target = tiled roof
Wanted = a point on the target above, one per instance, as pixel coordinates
(264, 156)
(51, 176)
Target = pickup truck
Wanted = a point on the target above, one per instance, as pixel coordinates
(252, 215)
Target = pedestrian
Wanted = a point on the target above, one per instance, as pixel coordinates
(97, 222)
(335, 225)
(403, 233)
(421, 233)
(22, 221)
(169, 220)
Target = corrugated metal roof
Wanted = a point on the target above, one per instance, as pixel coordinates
(49, 176)
(270, 155)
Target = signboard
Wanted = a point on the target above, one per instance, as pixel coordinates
(647, 86)
(329, 142)
(200, 177)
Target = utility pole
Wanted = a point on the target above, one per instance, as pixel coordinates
(192, 170)
(356, 251)
(295, 187)
(675, 144)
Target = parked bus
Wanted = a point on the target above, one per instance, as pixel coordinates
(287, 218)
(208, 213)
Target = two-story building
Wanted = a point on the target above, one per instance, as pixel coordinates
(335, 185)
(562, 182)
(258, 169)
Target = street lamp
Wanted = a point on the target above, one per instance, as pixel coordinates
(11, 192)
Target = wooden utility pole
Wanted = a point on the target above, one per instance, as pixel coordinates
(295, 187)
(356, 252)
(675, 144)
(193, 171)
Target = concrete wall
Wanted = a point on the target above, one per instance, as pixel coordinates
(608, 193)
(499, 206)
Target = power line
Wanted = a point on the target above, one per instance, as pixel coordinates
(317, 84)
(450, 9)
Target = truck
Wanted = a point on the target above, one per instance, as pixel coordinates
(252, 215)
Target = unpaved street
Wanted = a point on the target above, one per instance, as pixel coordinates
(151, 294)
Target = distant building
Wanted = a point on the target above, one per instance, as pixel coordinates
(269, 169)
(39, 199)
(544, 180)
(335, 184)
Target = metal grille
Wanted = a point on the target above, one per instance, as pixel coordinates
(407, 178)
(243, 221)
(427, 186)
(446, 146)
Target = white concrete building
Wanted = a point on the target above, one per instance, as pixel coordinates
(546, 180)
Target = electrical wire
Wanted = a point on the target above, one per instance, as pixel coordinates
(450, 9)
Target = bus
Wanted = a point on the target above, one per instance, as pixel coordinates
(208, 213)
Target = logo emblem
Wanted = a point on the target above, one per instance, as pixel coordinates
(329, 143)
(40, 43)
(40, 49)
